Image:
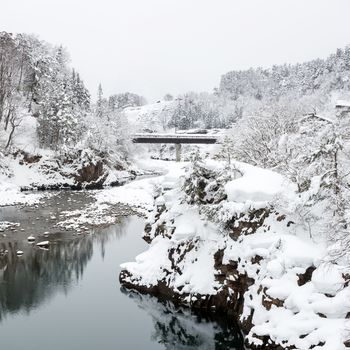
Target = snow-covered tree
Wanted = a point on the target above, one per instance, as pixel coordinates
(63, 101)
(127, 99)
(168, 97)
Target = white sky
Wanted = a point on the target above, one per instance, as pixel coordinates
(152, 47)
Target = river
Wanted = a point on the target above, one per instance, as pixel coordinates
(69, 297)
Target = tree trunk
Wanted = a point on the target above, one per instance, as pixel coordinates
(13, 127)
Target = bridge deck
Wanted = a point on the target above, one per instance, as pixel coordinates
(173, 138)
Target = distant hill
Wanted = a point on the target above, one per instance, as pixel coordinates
(324, 75)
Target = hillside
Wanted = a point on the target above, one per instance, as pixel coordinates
(323, 75)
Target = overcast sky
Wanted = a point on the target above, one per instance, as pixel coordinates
(152, 47)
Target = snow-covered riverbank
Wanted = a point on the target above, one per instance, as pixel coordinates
(229, 239)
(140, 194)
(64, 214)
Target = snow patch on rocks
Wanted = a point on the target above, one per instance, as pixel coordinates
(296, 298)
(10, 194)
(256, 185)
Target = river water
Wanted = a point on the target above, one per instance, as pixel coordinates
(69, 297)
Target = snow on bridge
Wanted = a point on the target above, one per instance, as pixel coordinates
(174, 138)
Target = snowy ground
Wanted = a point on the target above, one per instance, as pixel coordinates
(10, 194)
(139, 194)
(24, 176)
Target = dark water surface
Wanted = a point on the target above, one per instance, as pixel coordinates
(69, 297)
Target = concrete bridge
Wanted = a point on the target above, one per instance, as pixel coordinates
(176, 139)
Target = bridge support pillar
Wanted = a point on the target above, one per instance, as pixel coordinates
(178, 151)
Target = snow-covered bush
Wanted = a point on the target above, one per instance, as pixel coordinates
(255, 139)
(205, 185)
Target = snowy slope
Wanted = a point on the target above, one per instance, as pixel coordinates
(149, 117)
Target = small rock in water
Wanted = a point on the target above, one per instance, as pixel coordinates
(31, 238)
(19, 252)
(43, 244)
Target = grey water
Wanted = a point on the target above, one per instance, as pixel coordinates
(69, 297)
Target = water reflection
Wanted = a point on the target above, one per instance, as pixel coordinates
(181, 329)
(29, 280)
(38, 280)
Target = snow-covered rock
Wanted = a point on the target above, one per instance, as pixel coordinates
(31, 239)
(43, 244)
(224, 242)
(256, 185)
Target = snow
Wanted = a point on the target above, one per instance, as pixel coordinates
(198, 273)
(147, 116)
(257, 185)
(25, 176)
(311, 315)
(139, 194)
(25, 136)
(43, 244)
(150, 265)
(343, 103)
(190, 225)
(174, 136)
(293, 250)
(4, 225)
(96, 214)
(10, 194)
(135, 194)
(328, 279)
(275, 268)
(48, 171)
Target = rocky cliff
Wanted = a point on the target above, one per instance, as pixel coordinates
(227, 239)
